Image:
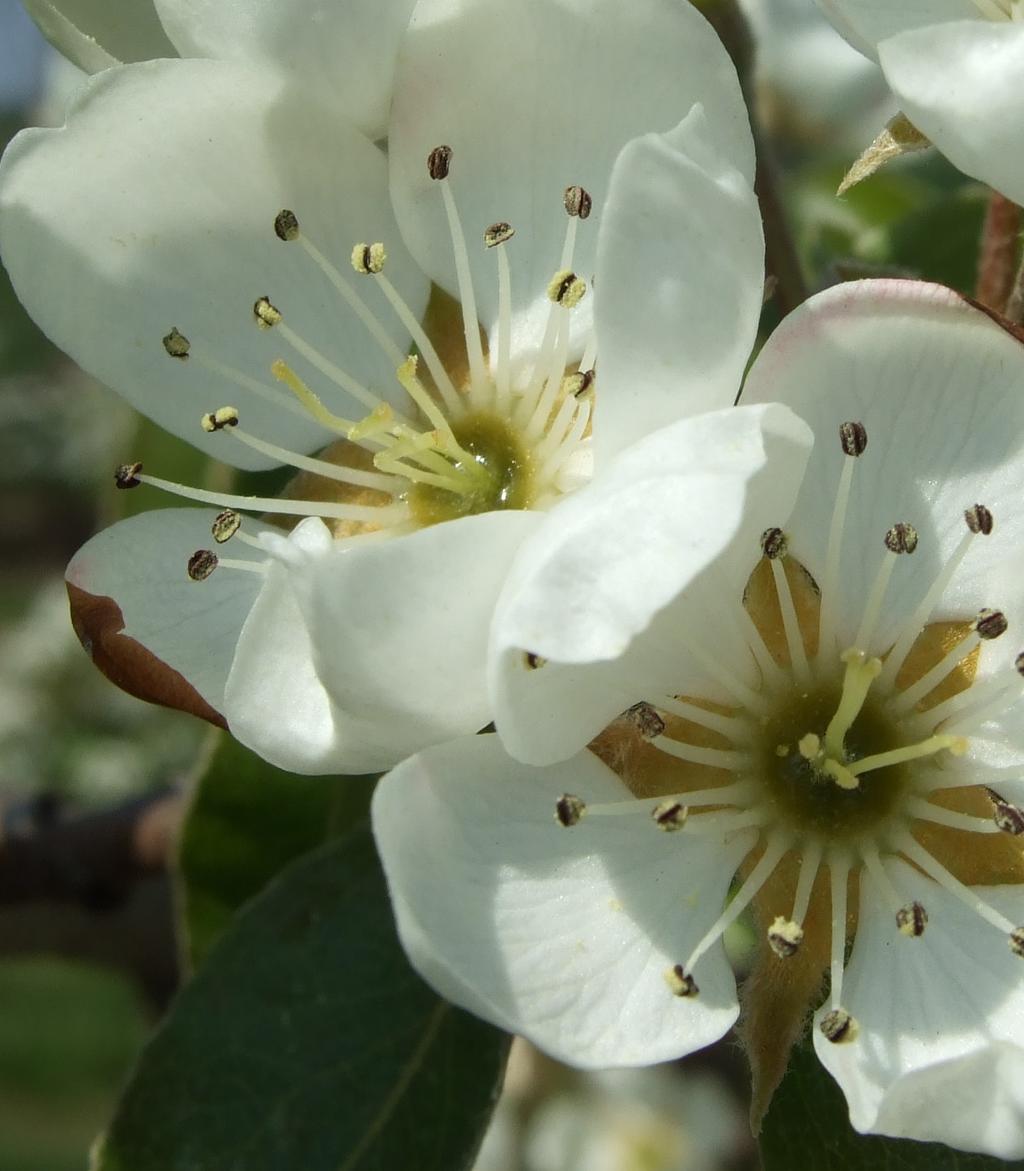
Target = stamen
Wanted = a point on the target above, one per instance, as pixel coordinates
(744, 695)
(839, 1027)
(907, 915)
(287, 376)
(910, 696)
(369, 259)
(269, 394)
(838, 870)
(552, 384)
(926, 811)
(784, 937)
(978, 520)
(569, 809)
(853, 439)
(127, 475)
(957, 745)
(900, 539)
(681, 983)
(738, 793)
(809, 864)
(219, 419)
(712, 757)
(319, 467)
(496, 236)
(727, 725)
(415, 389)
(558, 459)
(438, 171)
(670, 816)
(646, 720)
(775, 848)
(177, 344)
(1009, 818)
(938, 873)
(225, 525)
(383, 515)
(775, 546)
(201, 564)
(860, 674)
(989, 700)
(266, 313)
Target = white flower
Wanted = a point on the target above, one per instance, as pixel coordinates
(955, 68)
(792, 667)
(189, 202)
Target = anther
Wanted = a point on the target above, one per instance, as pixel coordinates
(499, 233)
(219, 419)
(569, 809)
(901, 538)
(566, 289)
(579, 382)
(853, 438)
(177, 344)
(978, 519)
(369, 258)
(439, 162)
(578, 202)
(646, 720)
(681, 983)
(785, 937)
(912, 920)
(990, 624)
(838, 1026)
(127, 476)
(1007, 816)
(201, 564)
(1018, 663)
(1016, 941)
(670, 815)
(286, 225)
(225, 525)
(267, 315)
(774, 544)
(532, 661)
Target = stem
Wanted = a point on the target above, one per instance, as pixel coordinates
(1015, 303)
(998, 254)
(781, 259)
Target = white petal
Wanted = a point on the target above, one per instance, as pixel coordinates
(155, 208)
(960, 85)
(939, 387)
(345, 49)
(564, 936)
(606, 589)
(940, 1051)
(678, 291)
(399, 628)
(191, 627)
(95, 34)
(866, 22)
(531, 101)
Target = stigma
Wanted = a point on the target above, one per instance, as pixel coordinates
(845, 752)
(475, 433)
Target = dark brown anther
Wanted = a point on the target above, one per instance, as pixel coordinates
(127, 476)
(670, 815)
(1016, 941)
(569, 809)
(201, 564)
(177, 344)
(1018, 663)
(901, 538)
(978, 519)
(225, 525)
(1008, 817)
(853, 438)
(774, 544)
(533, 661)
(990, 624)
(439, 162)
(785, 937)
(838, 1026)
(286, 225)
(681, 982)
(499, 233)
(646, 720)
(912, 920)
(267, 314)
(578, 202)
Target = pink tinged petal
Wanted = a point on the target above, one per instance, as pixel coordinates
(679, 283)
(561, 935)
(399, 630)
(535, 99)
(149, 627)
(866, 22)
(345, 49)
(603, 591)
(154, 208)
(940, 1050)
(95, 34)
(960, 85)
(939, 387)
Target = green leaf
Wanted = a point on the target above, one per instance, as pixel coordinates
(247, 821)
(940, 241)
(808, 1125)
(307, 1043)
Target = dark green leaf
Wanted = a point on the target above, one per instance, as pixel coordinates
(247, 821)
(939, 242)
(306, 1043)
(808, 1126)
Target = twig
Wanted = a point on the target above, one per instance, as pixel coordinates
(997, 258)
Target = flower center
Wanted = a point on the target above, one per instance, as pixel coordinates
(487, 438)
(844, 752)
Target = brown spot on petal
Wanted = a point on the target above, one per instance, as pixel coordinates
(99, 624)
